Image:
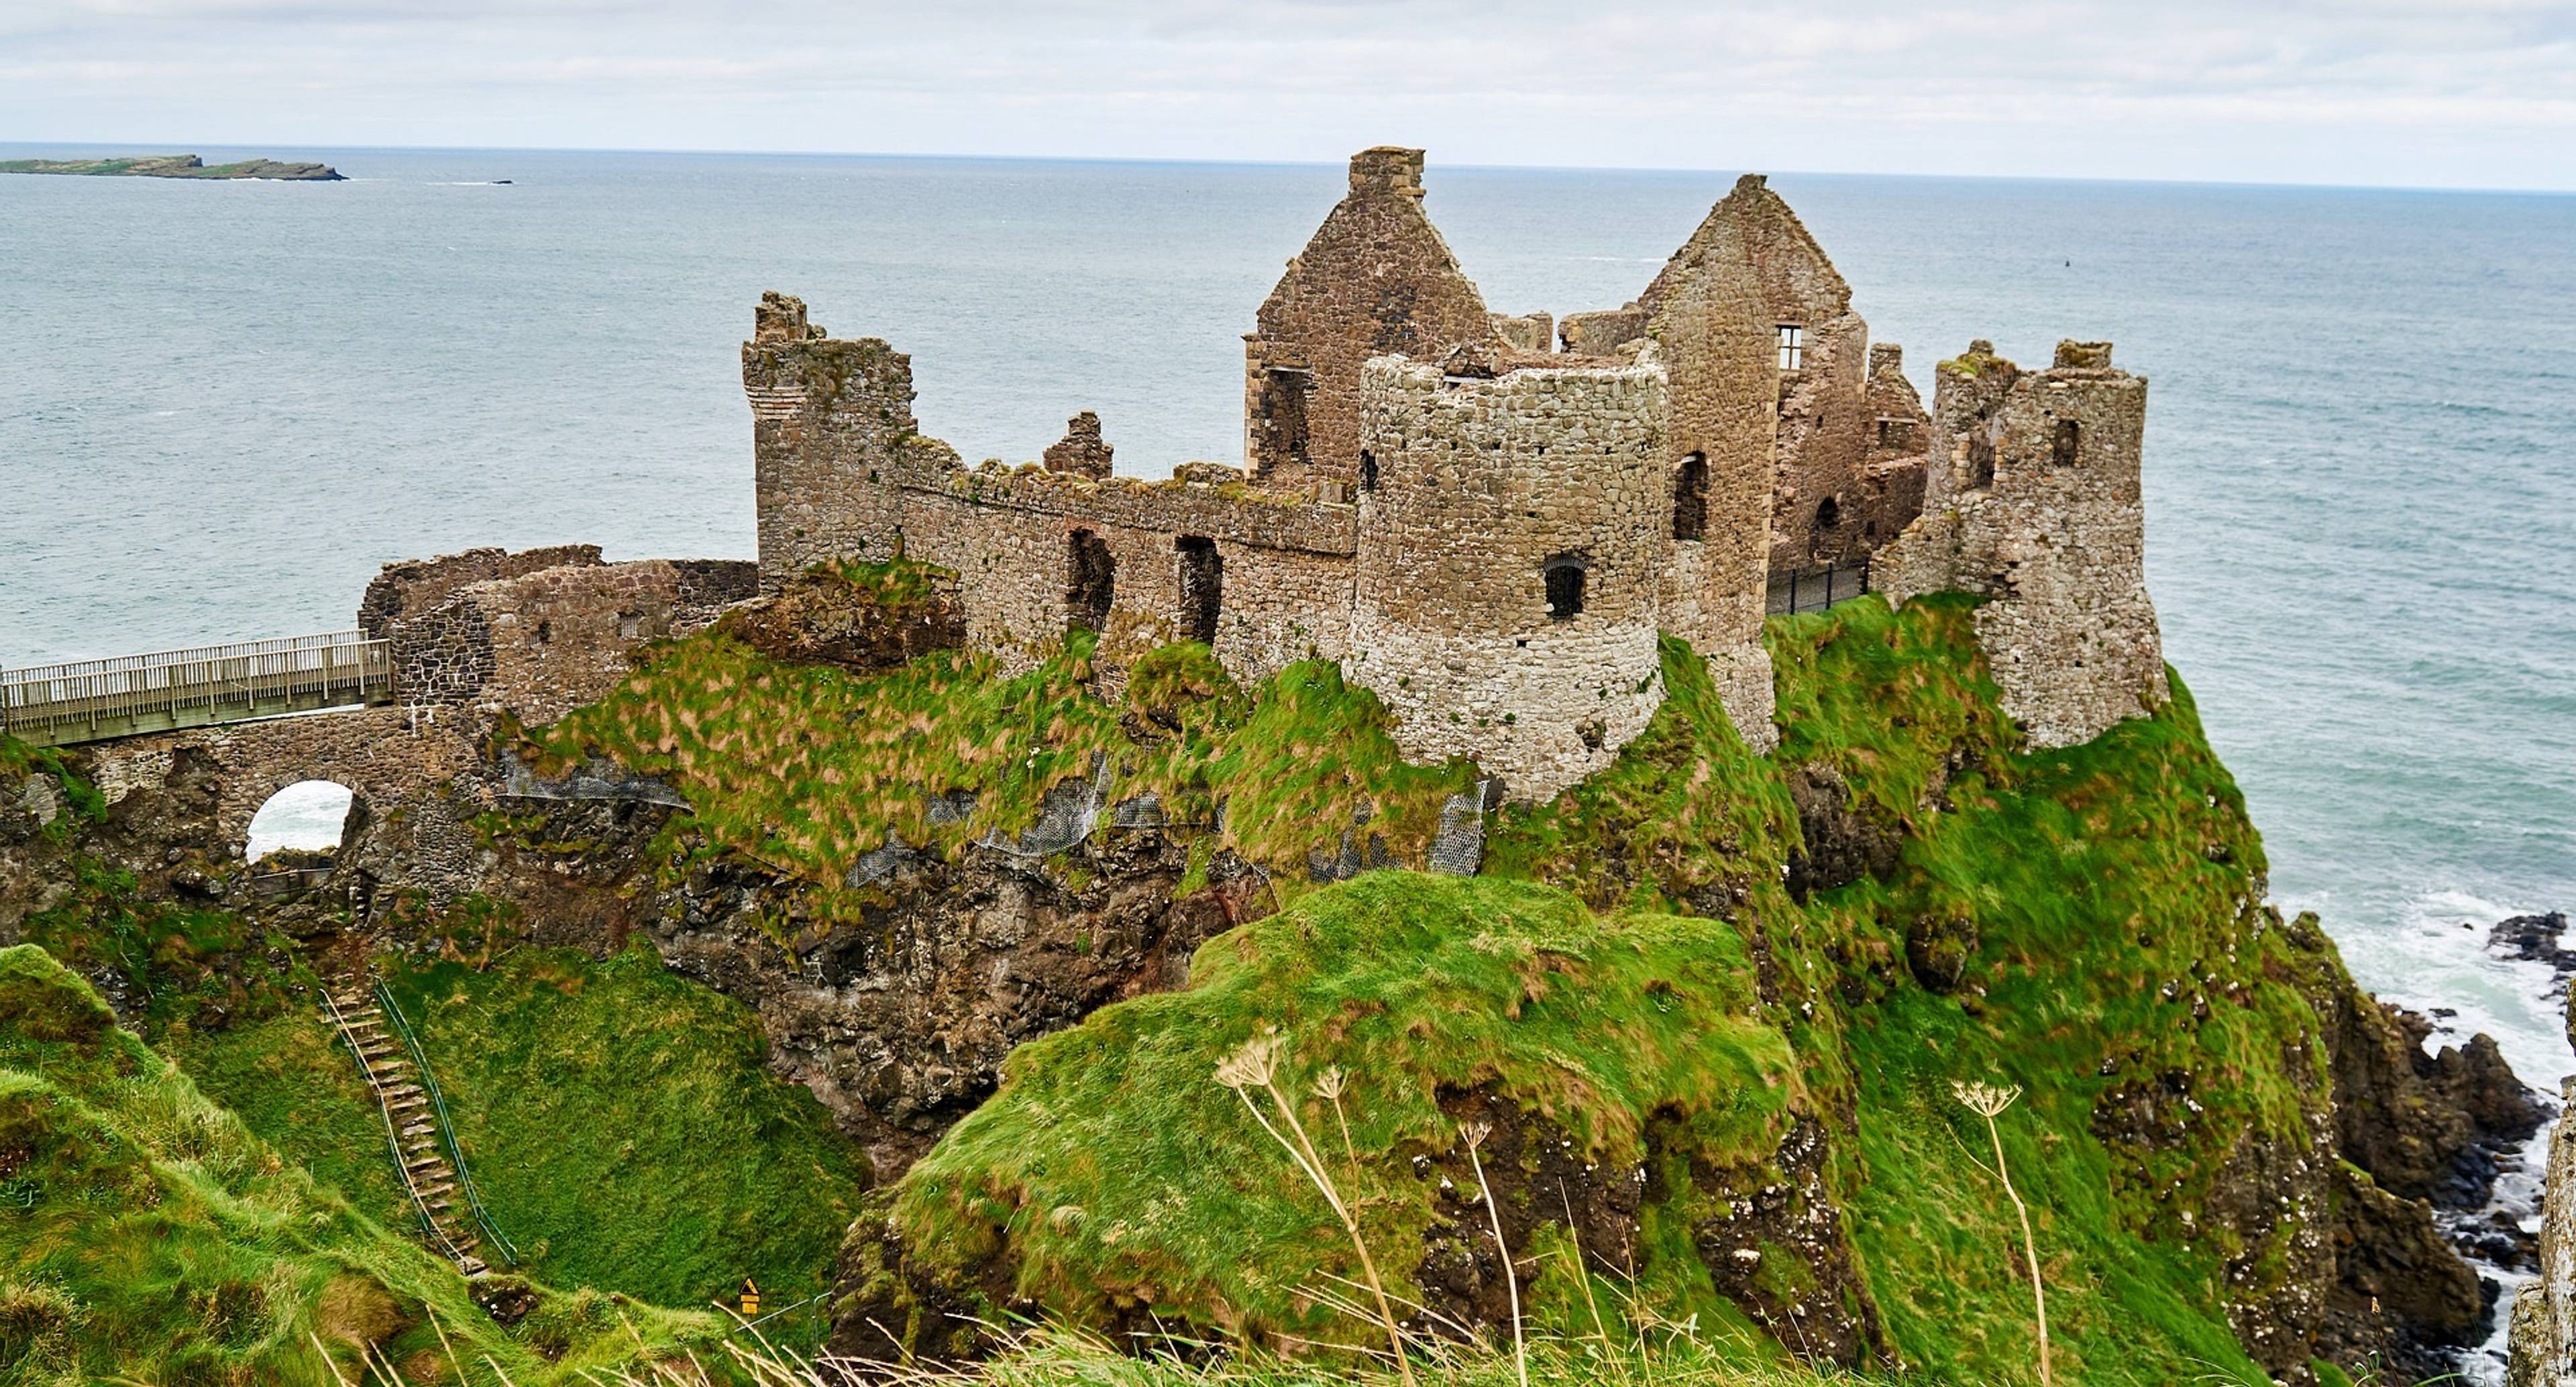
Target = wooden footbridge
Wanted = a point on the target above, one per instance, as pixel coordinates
(91, 700)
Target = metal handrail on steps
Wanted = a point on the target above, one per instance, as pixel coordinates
(393, 1131)
(446, 1127)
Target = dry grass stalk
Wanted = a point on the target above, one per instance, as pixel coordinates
(1476, 1133)
(1256, 1065)
(1987, 1101)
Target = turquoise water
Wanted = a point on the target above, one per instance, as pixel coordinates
(223, 405)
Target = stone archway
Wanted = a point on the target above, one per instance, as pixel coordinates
(309, 816)
(415, 785)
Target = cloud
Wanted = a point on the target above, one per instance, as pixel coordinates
(2356, 90)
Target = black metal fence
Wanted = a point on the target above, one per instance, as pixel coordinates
(1814, 592)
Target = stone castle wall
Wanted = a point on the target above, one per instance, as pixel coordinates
(1376, 279)
(1892, 465)
(1376, 372)
(413, 775)
(539, 644)
(844, 473)
(1836, 498)
(416, 585)
(1711, 332)
(1510, 563)
(2033, 500)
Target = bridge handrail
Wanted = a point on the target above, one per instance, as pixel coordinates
(446, 1125)
(200, 677)
(393, 1129)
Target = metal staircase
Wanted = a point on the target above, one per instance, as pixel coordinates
(417, 1132)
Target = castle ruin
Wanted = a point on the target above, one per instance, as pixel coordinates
(1489, 519)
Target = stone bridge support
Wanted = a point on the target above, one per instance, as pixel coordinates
(417, 783)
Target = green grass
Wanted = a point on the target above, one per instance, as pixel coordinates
(625, 1131)
(175, 962)
(1686, 817)
(1118, 1170)
(148, 1236)
(1667, 1356)
(1632, 967)
(2117, 935)
(807, 767)
(621, 1120)
(288, 1079)
(82, 800)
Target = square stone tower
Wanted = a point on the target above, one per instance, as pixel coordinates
(2032, 499)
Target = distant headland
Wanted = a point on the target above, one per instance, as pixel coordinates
(176, 166)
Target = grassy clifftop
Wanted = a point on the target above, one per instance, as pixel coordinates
(1750, 985)
(148, 1236)
(1703, 1017)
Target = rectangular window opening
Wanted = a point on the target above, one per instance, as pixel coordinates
(1091, 579)
(1283, 415)
(1793, 347)
(1202, 587)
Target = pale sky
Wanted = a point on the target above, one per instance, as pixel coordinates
(2443, 93)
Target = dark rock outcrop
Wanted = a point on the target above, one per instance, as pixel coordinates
(1838, 843)
(823, 618)
(900, 1021)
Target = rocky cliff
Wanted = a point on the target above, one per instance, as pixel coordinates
(1707, 1009)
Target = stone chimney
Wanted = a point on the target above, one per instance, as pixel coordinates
(780, 318)
(1082, 451)
(1389, 169)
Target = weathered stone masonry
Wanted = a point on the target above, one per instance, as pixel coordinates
(2033, 500)
(1487, 533)
(475, 636)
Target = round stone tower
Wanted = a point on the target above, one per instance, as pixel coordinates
(1512, 531)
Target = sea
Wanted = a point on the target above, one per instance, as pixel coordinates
(224, 404)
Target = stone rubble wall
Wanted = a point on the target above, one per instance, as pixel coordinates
(826, 416)
(1526, 332)
(1818, 500)
(837, 480)
(414, 586)
(1711, 329)
(541, 644)
(1483, 484)
(1082, 450)
(1829, 404)
(1893, 465)
(2048, 524)
(415, 776)
(1319, 556)
(1604, 330)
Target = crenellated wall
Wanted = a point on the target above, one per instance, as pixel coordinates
(2032, 499)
